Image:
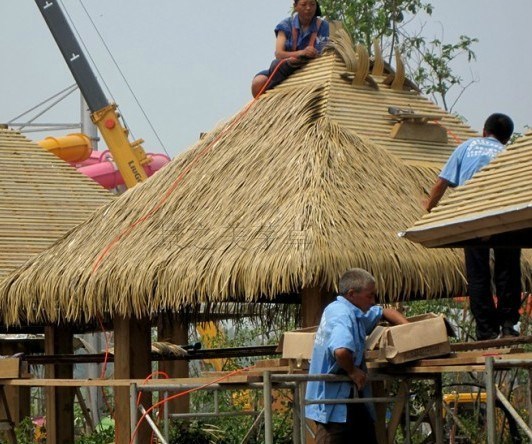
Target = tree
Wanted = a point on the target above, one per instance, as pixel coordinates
(428, 61)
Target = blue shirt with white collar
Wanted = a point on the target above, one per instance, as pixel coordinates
(303, 38)
(468, 158)
(343, 325)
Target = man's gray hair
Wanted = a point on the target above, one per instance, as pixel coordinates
(356, 278)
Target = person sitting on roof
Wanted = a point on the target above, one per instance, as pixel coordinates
(299, 38)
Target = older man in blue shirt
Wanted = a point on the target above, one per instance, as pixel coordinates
(339, 349)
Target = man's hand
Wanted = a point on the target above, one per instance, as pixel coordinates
(345, 359)
(436, 193)
(359, 377)
(309, 52)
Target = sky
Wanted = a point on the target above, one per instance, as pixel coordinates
(190, 62)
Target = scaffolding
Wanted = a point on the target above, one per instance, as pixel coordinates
(296, 383)
(267, 381)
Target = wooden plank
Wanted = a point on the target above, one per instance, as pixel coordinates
(278, 362)
(46, 382)
(455, 358)
(462, 360)
(427, 132)
(480, 345)
(405, 370)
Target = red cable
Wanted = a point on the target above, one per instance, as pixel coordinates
(186, 392)
(453, 135)
(174, 185)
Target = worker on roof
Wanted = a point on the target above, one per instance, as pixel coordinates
(298, 38)
(470, 157)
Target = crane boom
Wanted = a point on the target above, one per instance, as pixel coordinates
(129, 157)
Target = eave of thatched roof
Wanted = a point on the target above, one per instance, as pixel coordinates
(42, 198)
(494, 207)
(284, 200)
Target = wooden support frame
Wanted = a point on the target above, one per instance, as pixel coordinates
(132, 360)
(313, 302)
(18, 398)
(59, 400)
(173, 328)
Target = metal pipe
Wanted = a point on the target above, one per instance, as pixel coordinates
(296, 436)
(133, 411)
(514, 413)
(303, 422)
(268, 432)
(407, 413)
(507, 363)
(213, 414)
(152, 425)
(529, 398)
(253, 427)
(490, 401)
(166, 411)
(350, 400)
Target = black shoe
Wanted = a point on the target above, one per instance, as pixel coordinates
(509, 332)
(488, 337)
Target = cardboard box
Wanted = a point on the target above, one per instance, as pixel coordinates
(9, 368)
(298, 344)
(424, 336)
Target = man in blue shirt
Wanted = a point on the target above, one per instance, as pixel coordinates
(339, 349)
(465, 161)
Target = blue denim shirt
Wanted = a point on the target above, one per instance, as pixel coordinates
(303, 39)
(343, 325)
(468, 158)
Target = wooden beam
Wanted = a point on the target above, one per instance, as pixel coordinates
(397, 411)
(132, 360)
(313, 302)
(59, 400)
(174, 329)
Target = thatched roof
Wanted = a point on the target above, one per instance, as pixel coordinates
(42, 198)
(285, 199)
(359, 93)
(495, 203)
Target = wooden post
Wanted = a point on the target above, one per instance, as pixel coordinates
(379, 390)
(174, 329)
(313, 301)
(132, 341)
(18, 398)
(59, 400)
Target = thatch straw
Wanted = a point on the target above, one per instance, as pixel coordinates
(42, 198)
(286, 199)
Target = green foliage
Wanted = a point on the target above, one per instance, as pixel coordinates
(369, 19)
(433, 70)
(429, 62)
(99, 436)
(243, 333)
(25, 432)
(195, 432)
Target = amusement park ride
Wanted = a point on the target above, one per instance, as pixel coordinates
(133, 165)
